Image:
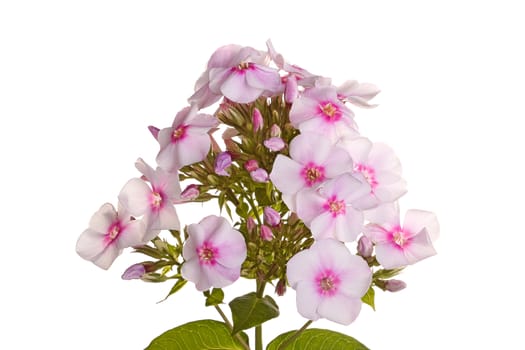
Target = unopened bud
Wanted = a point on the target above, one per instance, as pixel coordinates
(259, 175)
(251, 165)
(190, 193)
(266, 233)
(271, 216)
(365, 247)
(250, 224)
(222, 162)
(280, 288)
(395, 285)
(291, 90)
(257, 120)
(275, 131)
(134, 272)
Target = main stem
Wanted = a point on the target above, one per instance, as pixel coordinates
(258, 329)
(230, 327)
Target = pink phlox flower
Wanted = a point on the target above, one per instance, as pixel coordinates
(319, 110)
(186, 141)
(397, 245)
(241, 74)
(213, 253)
(381, 168)
(313, 160)
(357, 93)
(108, 234)
(222, 162)
(329, 281)
(154, 201)
(330, 212)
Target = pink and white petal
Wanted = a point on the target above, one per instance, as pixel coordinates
(286, 175)
(191, 270)
(135, 197)
(420, 247)
(309, 147)
(376, 233)
(390, 256)
(145, 170)
(387, 213)
(417, 220)
(356, 277)
(236, 88)
(391, 192)
(302, 266)
(106, 258)
(224, 56)
(382, 157)
(164, 137)
(103, 218)
(90, 244)
(304, 108)
(368, 202)
(202, 122)
(309, 204)
(191, 149)
(132, 235)
(319, 126)
(217, 78)
(167, 157)
(331, 254)
(232, 249)
(338, 162)
(357, 147)
(168, 218)
(323, 226)
(207, 227)
(349, 225)
(340, 309)
(291, 201)
(307, 300)
(265, 78)
(221, 276)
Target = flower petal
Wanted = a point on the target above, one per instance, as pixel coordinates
(307, 300)
(135, 197)
(90, 244)
(286, 175)
(106, 258)
(236, 89)
(417, 220)
(132, 235)
(103, 218)
(390, 256)
(340, 309)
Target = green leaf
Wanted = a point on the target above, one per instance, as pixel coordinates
(149, 251)
(176, 287)
(202, 335)
(215, 297)
(317, 339)
(369, 298)
(249, 311)
(386, 274)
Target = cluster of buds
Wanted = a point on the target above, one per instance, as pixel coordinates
(296, 178)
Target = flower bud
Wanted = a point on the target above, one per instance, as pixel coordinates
(259, 175)
(280, 288)
(271, 216)
(395, 285)
(251, 165)
(257, 120)
(291, 90)
(222, 162)
(275, 131)
(134, 272)
(250, 224)
(274, 144)
(190, 193)
(266, 233)
(365, 247)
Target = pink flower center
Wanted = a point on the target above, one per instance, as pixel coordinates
(207, 254)
(368, 173)
(178, 134)
(399, 237)
(330, 111)
(327, 283)
(334, 206)
(156, 200)
(312, 174)
(113, 232)
(242, 67)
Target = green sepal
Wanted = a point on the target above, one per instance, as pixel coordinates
(369, 298)
(216, 297)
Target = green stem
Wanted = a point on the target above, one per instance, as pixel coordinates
(294, 336)
(258, 329)
(230, 327)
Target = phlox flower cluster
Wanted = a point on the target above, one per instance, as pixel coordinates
(305, 186)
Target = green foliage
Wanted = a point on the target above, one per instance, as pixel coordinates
(176, 287)
(216, 297)
(198, 335)
(317, 339)
(386, 274)
(249, 311)
(369, 298)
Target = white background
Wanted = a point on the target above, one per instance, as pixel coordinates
(81, 80)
